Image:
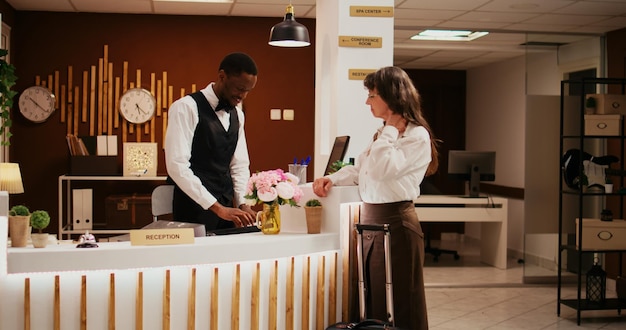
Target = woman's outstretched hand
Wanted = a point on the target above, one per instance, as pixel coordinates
(321, 186)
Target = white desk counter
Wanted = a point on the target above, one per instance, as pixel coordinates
(491, 212)
(205, 250)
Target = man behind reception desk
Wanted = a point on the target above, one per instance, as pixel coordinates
(206, 153)
(389, 173)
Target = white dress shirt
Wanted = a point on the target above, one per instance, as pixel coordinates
(392, 168)
(182, 122)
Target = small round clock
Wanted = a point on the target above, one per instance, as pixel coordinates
(137, 105)
(37, 103)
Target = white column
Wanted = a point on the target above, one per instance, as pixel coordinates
(340, 107)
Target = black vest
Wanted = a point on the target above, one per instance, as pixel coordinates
(212, 150)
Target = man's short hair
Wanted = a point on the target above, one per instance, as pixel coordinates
(236, 63)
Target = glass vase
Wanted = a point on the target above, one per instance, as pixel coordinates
(269, 221)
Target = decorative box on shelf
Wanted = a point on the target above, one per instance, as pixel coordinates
(93, 165)
(609, 103)
(602, 235)
(609, 125)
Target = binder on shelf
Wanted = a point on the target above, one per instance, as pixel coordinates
(102, 149)
(82, 209)
(111, 145)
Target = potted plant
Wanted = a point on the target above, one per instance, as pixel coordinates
(7, 81)
(19, 225)
(313, 213)
(40, 220)
(337, 165)
(608, 185)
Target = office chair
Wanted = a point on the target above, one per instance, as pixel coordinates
(162, 197)
(427, 188)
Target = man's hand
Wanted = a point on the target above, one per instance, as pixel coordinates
(240, 217)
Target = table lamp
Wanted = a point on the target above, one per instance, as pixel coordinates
(11, 183)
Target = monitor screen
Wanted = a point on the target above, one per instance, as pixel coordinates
(338, 152)
(472, 166)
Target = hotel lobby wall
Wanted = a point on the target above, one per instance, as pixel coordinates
(189, 49)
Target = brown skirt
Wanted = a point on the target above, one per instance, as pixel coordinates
(407, 261)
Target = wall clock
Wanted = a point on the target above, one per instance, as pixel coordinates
(37, 104)
(137, 105)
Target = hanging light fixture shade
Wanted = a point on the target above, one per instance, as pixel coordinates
(289, 33)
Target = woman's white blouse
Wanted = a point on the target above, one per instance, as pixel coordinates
(392, 168)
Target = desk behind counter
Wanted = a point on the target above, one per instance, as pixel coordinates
(490, 212)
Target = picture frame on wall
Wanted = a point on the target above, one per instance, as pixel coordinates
(140, 159)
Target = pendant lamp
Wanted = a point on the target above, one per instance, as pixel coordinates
(289, 33)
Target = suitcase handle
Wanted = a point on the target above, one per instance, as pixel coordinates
(361, 271)
(360, 227)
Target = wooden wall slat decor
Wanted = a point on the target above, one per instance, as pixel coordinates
(191, 302)
(139, 302)
(111, 310)
(166, 300)
(235, 302)
(27, 304)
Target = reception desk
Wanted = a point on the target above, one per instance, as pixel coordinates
(292, 280)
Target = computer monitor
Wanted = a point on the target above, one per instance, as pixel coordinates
(338, 152)
(472, 166)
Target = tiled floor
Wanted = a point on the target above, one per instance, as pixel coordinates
(465, 294)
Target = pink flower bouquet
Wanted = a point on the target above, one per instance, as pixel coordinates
(274, 186)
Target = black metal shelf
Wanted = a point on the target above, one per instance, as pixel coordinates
(581, 87)
(573, 248)
(583, 304)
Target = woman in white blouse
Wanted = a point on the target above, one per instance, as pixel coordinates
(389, 173)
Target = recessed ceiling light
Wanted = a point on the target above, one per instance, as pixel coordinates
(448, 35)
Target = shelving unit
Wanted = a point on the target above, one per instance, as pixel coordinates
(576, 203)
(65, 197)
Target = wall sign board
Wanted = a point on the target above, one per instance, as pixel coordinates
(360, 42)
(359, 74)
(371, 11)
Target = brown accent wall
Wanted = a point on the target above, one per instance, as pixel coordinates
(189, 49)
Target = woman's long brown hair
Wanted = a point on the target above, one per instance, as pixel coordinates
(396, 88)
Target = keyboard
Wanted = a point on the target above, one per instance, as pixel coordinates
(231, 231)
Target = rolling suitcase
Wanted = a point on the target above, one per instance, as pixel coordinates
(365, 323)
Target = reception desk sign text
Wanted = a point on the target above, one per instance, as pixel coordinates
(169, 236)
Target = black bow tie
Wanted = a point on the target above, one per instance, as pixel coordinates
(223, 106)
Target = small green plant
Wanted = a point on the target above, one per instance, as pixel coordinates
(19, 210)
(40, 220)
(313, 203)
(7, 81)
(337, 165)
(608, 180)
